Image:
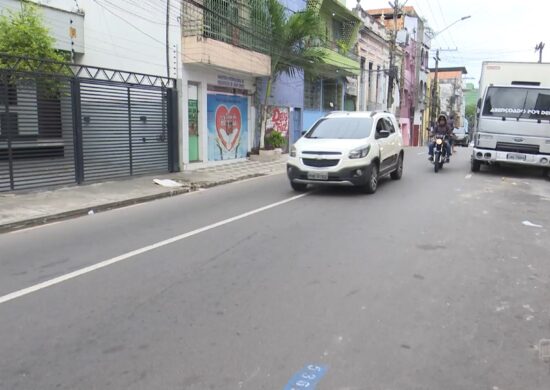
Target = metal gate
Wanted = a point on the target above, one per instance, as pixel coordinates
(64, 124)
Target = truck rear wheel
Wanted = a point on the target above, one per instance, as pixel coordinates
(475, 165)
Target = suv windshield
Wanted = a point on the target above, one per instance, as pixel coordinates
(341, 128)
(517, 102)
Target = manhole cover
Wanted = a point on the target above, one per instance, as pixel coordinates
(544, 350)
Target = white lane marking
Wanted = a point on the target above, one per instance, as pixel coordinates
(148, 248)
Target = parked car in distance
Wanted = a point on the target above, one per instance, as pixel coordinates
(461, 136)
(347, 149)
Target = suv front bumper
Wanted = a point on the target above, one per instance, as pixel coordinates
(351, 176)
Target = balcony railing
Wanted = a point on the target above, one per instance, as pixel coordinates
(336, 47)
(242, 23)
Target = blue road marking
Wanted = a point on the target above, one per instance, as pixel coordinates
(307, 378)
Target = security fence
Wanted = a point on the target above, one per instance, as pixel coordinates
(64, 124)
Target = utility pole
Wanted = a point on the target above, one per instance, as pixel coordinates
(434, 89)
(397, 8)
(168, 38)
(540, 48)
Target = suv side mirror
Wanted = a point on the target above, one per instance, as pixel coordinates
(304, 132)
(383, 134)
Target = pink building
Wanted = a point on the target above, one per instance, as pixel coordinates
(409, 36)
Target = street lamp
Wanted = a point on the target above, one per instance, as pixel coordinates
(451, 25)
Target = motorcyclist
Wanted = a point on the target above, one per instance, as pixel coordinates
(441, 128)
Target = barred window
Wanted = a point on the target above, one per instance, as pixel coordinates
(312, 94)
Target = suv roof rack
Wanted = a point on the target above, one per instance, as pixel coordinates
(373, 113)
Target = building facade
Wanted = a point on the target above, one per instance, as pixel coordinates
(224, 51)
(111, 113)
(410, 38)
(374, 51)
(450, 97)
(336, 86)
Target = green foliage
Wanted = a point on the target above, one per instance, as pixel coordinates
(343, 46)
(23, 34)
(471, 110)
(290, 36)
(289, 48)
(275, 140)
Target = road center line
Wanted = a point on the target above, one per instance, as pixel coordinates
(148, 248)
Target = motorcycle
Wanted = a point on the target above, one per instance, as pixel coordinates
(440, 152)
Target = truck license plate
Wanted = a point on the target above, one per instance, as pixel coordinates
(516, 156)
(317, 175)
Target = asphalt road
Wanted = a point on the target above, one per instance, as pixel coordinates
(438, 281)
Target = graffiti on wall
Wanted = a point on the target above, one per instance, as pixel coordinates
(227, 127)
(277, 119)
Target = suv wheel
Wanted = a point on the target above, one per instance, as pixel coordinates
(398, 173)
(372, 183)
(298, 187)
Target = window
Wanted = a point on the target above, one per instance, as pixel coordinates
(341, 128)
(377, 83)
(509, 102)
(370, 82)
(332, 95)
(380, 125)
(216, 25)
(388, 125)
(337, 29)
(312, 94)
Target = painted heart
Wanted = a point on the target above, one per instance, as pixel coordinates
(228, 126)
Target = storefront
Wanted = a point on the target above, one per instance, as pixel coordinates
(218, 117)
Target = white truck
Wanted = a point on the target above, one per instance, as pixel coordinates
(513, 115)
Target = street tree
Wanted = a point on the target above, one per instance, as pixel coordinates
(290, 49)
(471, 113)
(23, 34)
(26, 46)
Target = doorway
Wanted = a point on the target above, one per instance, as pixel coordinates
(193, 121)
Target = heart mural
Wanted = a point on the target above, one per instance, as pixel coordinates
(228, 126)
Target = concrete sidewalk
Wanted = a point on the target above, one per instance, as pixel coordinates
(21, 210)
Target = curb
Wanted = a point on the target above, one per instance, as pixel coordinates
(25, 224)
(13, 226)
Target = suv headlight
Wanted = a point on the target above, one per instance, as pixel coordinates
(293, 151)
(360, 152)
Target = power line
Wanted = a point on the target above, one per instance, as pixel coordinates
(127, 22)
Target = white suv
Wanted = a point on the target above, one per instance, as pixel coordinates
(347, 148)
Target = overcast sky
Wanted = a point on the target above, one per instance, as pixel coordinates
(498, 30)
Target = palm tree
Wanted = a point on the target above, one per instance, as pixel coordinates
(290, 50)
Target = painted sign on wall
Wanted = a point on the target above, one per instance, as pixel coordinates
(227, 127)
(277, 119)
(231, 82)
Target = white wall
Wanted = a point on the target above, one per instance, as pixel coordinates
(58, 22)
(203, 76)
(127, 34)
